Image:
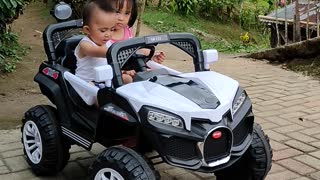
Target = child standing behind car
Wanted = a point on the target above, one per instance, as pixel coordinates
(98, 25)
(126, 11)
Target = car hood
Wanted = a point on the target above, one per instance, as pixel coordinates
(205, 94)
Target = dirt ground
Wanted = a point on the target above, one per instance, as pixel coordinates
(18, 91)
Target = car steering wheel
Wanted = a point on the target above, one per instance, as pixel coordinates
(138, 61)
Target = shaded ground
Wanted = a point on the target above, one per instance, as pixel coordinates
(18, 91)
(309, 66)
(303, 57)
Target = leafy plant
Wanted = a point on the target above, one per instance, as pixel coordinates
(9, 47)
(183, 7)
(217, 9)
(10, 52)
(9, 11)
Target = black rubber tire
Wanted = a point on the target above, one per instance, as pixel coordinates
(256, 162)
(125, 161)
(55, 153)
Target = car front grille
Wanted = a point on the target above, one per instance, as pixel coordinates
(241, 131)
(180, 148)
(217, 148)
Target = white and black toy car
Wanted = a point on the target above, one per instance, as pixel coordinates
(201, 121)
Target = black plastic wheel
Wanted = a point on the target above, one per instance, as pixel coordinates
(121, 163)
(256, 162)
(45, 150)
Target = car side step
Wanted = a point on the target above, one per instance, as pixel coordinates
(77, 138)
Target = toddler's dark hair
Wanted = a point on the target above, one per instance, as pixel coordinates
(89, 7)
(134, 12)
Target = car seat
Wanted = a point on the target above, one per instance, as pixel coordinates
(65, 52)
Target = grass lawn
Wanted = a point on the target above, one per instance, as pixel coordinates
(224, 37)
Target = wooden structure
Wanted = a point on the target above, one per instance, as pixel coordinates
(282, 22)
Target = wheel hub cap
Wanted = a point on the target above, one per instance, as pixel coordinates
(108, 174)
(32, 142)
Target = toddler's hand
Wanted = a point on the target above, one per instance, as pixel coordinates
(158, 57)
(130, 72)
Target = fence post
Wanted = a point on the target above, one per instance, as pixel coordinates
(277, 27)
(285, 23)
(307, 25)
(297, 23)
(318, 23)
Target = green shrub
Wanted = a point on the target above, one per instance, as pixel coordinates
(182, 7)
(10, 50)
(9, 11)
(217, 9)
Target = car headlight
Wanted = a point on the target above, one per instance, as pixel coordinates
(238, 102)
(164, 119)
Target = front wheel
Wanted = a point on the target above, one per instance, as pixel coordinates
(255, 163)
(121, 163)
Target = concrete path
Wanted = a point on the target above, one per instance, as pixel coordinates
(286, 104)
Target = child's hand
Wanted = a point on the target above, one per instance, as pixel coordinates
(158, 57)
(130, 73)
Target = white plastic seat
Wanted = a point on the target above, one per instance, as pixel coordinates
(86, 91)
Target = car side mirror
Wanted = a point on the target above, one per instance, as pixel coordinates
(104, 74)
(210, 56)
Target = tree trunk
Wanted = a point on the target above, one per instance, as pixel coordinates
(241, 7)
(141, 5)
(159, 3)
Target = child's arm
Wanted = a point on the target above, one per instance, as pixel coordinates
(88, 49)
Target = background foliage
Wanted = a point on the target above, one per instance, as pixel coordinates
(243, 12)
(9, 47)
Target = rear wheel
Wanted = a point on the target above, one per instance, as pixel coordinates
(255, 163)
(121, 163)
(44, 148)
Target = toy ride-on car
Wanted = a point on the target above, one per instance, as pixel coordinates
(201, 121)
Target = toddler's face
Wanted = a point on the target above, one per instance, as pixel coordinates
(101, 27)
(123, 15)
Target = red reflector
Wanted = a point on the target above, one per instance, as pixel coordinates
(216, 134)
(45, 71)
(55, 75)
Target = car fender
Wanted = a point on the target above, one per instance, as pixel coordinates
(50, 89)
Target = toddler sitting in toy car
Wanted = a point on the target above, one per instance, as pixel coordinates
(99, 23)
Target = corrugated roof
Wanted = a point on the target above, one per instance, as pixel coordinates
(303, 7)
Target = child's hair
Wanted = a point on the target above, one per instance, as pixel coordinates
(132, 4)
(88, 9)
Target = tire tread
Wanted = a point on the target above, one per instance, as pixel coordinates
(127, 160)
(55, 150)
